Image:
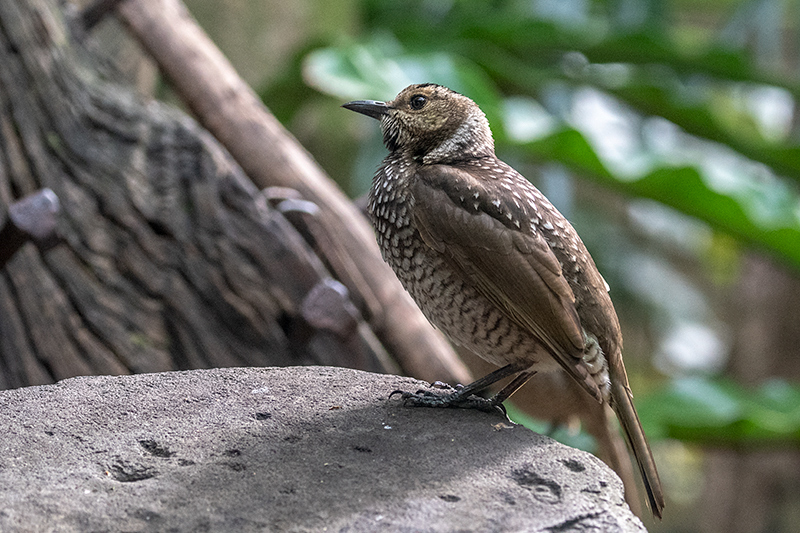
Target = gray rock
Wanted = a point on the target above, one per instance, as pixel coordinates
(283, 449)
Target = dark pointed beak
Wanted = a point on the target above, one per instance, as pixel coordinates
(371, 108)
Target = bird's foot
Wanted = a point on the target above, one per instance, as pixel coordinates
(457, 398)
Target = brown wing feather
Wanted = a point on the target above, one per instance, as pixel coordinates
(514, 269)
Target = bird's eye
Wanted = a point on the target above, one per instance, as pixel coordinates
(418, 101)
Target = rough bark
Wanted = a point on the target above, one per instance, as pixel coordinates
(271, 157)
(171, 258)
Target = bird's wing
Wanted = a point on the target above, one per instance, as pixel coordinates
(513, 267)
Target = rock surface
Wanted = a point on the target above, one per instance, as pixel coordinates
(283, 449)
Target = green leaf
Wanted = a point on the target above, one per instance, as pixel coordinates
(655, 91)
(651, 96)
(720, 412)
(747, 214)
(380, 69)
(355, 72)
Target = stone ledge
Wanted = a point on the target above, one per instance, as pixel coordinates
(283, 449)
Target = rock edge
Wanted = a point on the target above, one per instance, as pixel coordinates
(283, 449)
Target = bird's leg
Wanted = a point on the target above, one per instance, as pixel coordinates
(465, 396)
(506, 392)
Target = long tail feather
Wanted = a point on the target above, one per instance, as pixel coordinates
(622, 402)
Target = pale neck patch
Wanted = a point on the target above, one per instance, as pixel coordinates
(471, 138)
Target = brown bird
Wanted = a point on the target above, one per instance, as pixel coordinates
(491, 262)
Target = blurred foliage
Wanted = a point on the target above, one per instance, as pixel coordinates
(617, 93)
(487, 50)
(723, 413)
(705, 411)
(576, 439)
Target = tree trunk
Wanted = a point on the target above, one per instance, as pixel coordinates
(757, 490)
(171, 258)
(271, 157)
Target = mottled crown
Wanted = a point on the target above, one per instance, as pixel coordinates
(436, 125)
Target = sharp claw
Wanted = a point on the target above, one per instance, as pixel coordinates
(503, 410)
(398, 391)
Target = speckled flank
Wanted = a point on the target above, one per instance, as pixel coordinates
(454, 307)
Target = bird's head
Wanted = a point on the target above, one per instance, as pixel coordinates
(432, 123)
